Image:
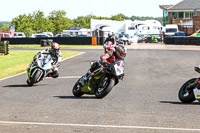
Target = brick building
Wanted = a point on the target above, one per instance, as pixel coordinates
(186, 14)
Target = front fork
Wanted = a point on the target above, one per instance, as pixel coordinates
(193, 85)
(32, 71)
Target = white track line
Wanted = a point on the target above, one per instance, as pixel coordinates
(66, 77)
(101, 126)
(69, 77)
(25, 71)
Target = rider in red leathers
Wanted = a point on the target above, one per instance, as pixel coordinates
(112, 53)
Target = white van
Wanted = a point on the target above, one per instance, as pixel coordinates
(149, 30)
(171, 29)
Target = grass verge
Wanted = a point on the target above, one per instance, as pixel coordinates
(61, 46)
(18, 60)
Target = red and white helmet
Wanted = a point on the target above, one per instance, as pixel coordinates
(108, 45)
(55, 47)
(121, 52)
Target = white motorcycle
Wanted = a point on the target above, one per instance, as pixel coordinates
(39, 68)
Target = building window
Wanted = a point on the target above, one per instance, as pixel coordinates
(165, 18)
(182, 15)
(187, 15)
(174, 15)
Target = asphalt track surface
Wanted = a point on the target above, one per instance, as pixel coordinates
(145, 102)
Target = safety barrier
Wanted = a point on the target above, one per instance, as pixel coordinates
(4, 47)
(182, 40)
(60, 40)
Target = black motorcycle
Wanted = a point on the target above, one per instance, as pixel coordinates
(190, 90)
(100, 79)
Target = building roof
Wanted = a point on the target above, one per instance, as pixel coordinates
(183, 5)
(165, 7)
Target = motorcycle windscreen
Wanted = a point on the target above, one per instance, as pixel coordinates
(197, 94)
(119, 68)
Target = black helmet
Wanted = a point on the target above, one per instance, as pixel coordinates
(109, 34)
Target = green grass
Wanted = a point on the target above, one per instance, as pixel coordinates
(18, 60)
(61, 46)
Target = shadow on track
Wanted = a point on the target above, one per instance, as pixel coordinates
(24, 85)
(73, 97)
(173, 102)
(21, 85)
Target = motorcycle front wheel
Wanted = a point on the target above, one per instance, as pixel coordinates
(184, 95)
(77, 90)
(106, 86)
(33, 79)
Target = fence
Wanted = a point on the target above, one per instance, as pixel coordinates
(4, 47)
(182, 40)
(60, 40)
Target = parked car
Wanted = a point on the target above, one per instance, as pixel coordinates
(57, 35)
(196, 34)
(63, 35)
(179, 34)
(5, 35)
(124, 38)
(50, 34)
(40, 35)
(82, 35)
(19, 34)
(9, 32)
(66, 35)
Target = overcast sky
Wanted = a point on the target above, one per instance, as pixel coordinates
(74, 8)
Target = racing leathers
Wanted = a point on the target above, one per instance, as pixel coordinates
(56, 57)
(109, 48)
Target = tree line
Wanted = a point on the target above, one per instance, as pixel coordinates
(57, 21)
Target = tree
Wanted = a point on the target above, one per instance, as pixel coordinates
(120, 17)
(23, 23)
(41, 23)
(4, 26)
(146, 18)
(83, 21)
(60, 21)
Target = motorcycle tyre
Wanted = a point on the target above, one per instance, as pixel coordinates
(186, 99)
(33, 79)
(77, 93)
(106, 90)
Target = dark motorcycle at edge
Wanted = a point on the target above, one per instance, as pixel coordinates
(190, 90)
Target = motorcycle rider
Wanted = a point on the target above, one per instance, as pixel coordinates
(109, 47)
(56, 56)
(118, 54)
(110, 38)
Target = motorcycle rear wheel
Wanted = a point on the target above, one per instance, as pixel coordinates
(184, 95)
(106, 88)
(77, 90)
(33, 79)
